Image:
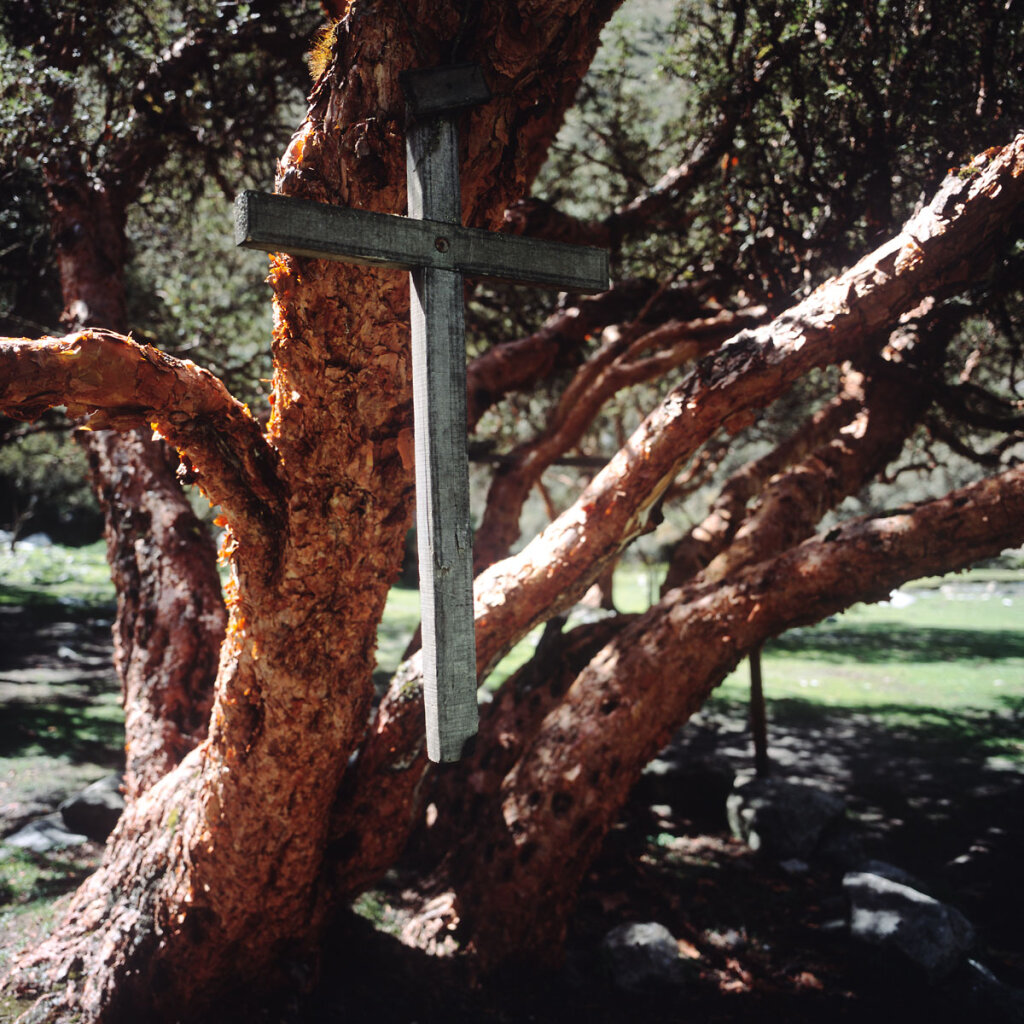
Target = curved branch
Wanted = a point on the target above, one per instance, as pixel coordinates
(940, 249)
(540, 219)
(120, 384)
(713, 534)
(793, 503)
(944, 246)
(993, 457)
(519, 364)
(619, 364)
(977, 407)
(630, 699)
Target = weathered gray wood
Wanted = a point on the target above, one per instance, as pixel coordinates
(444, 533)
(303, 227)
(432, 244)
(443, 90)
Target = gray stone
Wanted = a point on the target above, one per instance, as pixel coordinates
(45, 834)
(642, 957)
(780, 818)
(795, 866)
(893, 873)
(994, 1001)
(95, 811)
(934, 936)
(842, 846)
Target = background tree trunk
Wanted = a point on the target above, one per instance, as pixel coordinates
(170, 613)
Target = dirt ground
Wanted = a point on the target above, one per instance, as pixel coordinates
(759, 941)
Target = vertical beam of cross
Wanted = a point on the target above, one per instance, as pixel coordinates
(444, 532)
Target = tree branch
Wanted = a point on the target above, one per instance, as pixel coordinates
(519, 364)
(947, 244)
(716, 531)
(540, 219)
(620, 363)
(634, 690)
(120, 384)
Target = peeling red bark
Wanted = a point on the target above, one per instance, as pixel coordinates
(729, 510)
(935, 253)
(211, 884)
(561, 796)
(878, 413)
(170, 614)
(628, 356)
(220, 875)
(168, 626)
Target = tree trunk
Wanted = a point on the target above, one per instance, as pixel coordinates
(937, 251)
(218, 878)
(210, 889)
(170, 613)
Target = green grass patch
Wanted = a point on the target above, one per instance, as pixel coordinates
(945, 650)
(401, 619)
(31, 887)
(80, 731)
(32, 878)
(55, 576)
(958, 644)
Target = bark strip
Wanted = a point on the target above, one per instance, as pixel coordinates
(117, 383)
(561, 797)
(942, 247)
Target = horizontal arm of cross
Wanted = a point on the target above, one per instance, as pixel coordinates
(303, 227)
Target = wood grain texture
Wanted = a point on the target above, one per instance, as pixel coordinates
(444, 89)
(443, 528)
(302, 227)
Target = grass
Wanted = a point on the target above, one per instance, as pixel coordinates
(948, 643)
(946, 668)
(947, 649)
(958, 643)
(90, 731)
(55, 576)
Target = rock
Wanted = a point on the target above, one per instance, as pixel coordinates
(893, 873)
(888, 914)
(642, 957)
(18, 813)
(782, 819)
(795, 866)
(842, 846)
(36, 540)
(989, 998)
(45, 834)
(94, 812)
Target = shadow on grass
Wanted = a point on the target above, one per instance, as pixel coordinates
(30, 877)
(58, 689)
(937, 791)
(48, 602)
(76, 731)
(893, 641)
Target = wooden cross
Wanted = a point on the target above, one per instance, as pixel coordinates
(432, 244)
